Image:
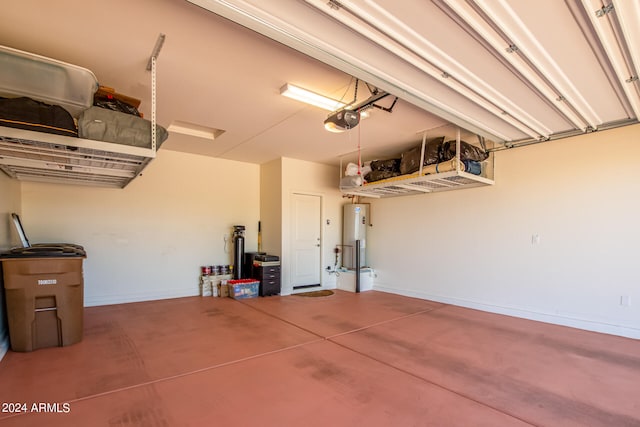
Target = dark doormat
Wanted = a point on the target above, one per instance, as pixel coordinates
(324, 293)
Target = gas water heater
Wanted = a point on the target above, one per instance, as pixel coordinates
(355, 220)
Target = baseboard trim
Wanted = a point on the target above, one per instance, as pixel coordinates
(573, 322)
(98, 300)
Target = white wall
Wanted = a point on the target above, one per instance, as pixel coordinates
(148, 241)
(271, 206)
(9, 202)
(473, 247)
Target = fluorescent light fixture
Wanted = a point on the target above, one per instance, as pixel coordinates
(312, 98)
(191, 129)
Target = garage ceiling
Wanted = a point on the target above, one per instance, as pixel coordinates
(514, 71)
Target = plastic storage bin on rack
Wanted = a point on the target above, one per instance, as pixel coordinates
(47, 80)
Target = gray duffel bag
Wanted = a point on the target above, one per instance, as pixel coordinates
(113, 126)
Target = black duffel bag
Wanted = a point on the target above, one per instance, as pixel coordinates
(389, 165)
(467, 152)
(29, 114)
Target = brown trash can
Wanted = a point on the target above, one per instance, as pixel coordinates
(44, 294)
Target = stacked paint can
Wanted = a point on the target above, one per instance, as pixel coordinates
(206, 290)
(213, 280)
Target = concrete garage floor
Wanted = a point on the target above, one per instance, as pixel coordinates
(369, 359)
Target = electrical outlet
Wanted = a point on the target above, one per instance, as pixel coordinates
(625, 301)
(535, 239)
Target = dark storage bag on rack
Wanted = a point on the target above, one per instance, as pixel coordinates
(113, 126)
(467, 152)
(376, 175)
(29, 114)
(389, 165)
(410, 161)
(111, 103)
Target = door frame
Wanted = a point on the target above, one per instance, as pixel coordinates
(287, 286)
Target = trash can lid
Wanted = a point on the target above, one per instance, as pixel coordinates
(45, 251)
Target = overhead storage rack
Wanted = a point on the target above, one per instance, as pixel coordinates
(45, 157)
(403, 186)
(446, 176)
(36, 156)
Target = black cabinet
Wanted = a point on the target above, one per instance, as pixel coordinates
(269, 277)
(249, 269)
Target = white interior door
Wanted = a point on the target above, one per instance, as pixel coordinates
(305, 240)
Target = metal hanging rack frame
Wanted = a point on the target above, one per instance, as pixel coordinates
(35, 156)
